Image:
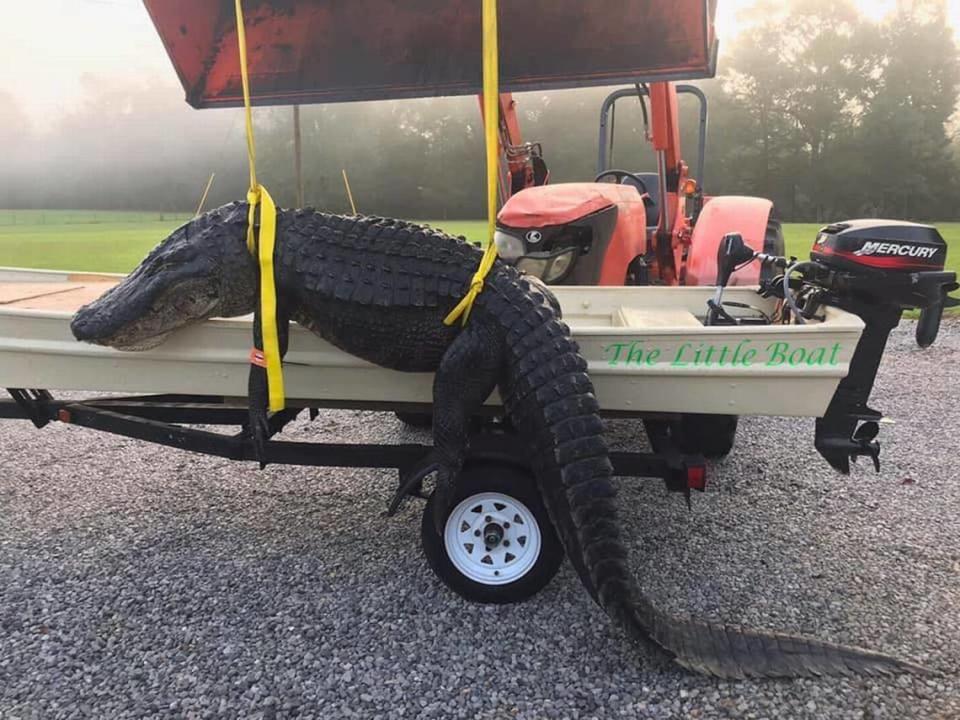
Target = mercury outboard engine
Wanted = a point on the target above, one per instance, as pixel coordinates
(875, 269)
(907, 261)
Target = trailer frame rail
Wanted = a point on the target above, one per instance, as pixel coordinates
(168, 419)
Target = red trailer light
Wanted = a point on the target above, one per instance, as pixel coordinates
(697, 477)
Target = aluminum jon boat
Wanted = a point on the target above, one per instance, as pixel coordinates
(647, 348)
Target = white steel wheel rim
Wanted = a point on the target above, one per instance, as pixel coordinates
(506, 561)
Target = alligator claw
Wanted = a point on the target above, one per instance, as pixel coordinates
(409, 481)
(443, 489)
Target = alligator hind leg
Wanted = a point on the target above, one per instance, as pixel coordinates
(468, 373)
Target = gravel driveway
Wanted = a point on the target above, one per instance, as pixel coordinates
(138, 581)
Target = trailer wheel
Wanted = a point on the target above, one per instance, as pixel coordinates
(712, 436)
(498, 544)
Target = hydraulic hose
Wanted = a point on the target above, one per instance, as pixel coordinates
(788, 294)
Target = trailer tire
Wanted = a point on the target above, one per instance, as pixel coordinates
(527, 553)
(414, 419)
(712, 436)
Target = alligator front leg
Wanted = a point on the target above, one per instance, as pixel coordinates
(468, 373)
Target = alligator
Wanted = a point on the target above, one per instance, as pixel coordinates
(379, 289)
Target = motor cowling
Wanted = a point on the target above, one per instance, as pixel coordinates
(886, 261)
(889, 245)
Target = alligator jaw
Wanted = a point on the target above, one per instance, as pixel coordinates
(128, 317)
(201, 270)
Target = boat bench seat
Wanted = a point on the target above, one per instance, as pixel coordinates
(655, 317)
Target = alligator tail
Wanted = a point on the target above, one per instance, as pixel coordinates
(549, 397)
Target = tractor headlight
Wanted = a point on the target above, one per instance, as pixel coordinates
(549, 267)
(509, 248)
(561, 265)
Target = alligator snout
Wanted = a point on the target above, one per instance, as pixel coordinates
(84, 325)
(178, 283)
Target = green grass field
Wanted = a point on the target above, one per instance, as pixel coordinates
(80, 239)
(90, 240)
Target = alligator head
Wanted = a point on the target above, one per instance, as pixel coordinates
(202, 270)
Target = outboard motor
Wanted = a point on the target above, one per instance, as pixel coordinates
(875, 269)
(894, 260)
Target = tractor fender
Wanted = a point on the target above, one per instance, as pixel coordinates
(719, 216)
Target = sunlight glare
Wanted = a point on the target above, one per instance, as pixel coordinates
(728, 24)
(876, 10)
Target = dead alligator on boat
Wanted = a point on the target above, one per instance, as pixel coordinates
(379, 289)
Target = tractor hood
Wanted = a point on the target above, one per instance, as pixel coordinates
(312, 51)
(564, 203)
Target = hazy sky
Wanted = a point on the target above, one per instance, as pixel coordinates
(47, 46)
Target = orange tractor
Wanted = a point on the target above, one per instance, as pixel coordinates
(632, 228)
(625, 227)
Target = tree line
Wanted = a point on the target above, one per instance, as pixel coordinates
(827, 113)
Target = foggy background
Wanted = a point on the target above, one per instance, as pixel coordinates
(832, 109)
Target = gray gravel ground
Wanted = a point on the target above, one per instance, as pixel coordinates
(139, 581)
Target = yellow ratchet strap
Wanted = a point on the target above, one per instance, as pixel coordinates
(491, 119)
(257, 194)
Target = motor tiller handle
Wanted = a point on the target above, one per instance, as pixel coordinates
(732, 253)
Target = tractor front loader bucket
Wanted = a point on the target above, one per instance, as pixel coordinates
(317, 51)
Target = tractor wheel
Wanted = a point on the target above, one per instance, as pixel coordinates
(773, 244)
(498, 544)
(694, 434)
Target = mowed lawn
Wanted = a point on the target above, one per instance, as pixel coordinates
(95, 241)
(98, 241)
(80, 239)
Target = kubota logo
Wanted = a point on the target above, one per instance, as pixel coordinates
(886, 248)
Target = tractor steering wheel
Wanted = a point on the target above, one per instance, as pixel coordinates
(619, 175)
